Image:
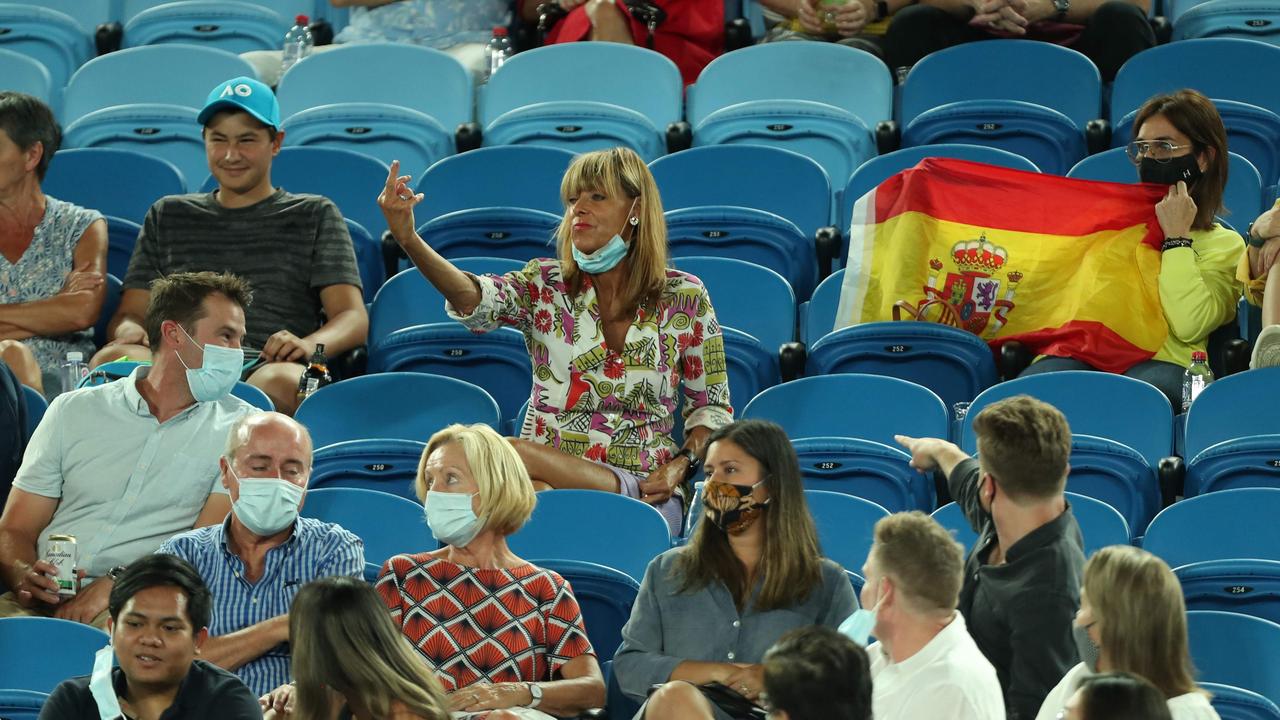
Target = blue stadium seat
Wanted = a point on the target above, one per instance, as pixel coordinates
(1242, 198)
(1233, 703)
(286, 8)
(388, 524)
(408, 299)
(497, 360)
(1245, 586)
(497, 201)
(166, 131)
(818, 315)
(1011, 107)
(385, 465)
(748, 297)
(625, 533)
(765, 178)
(822, 100)
(179, 75)
(407, 406)
(755, 236)
(24, 74)
(115, 289)
(1249, 109)
(1100, 524)
(369, 262)
(953, 363)
(252, 395)
(89, 177)
(53, 38)
(232, 26)
(854, 452)
(1241, 19)
(66, 650)
(36, 405)
(122, 235)
(1225, 447)
(1236, 650)
(1115, 446)
(1224, 525)
(878, 169)
(89, 13)
(583, 96)
(383, 132)
(605, 596)
(750, 364)
(21, 704)
(846, 528)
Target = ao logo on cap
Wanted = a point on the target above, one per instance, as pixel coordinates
(242, 89)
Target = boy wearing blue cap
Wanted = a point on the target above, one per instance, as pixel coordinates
(293, 249)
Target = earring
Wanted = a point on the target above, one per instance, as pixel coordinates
(635, 220)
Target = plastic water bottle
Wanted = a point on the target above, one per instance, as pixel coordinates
(297, 43)
(73, 371)
(498, 50)
(1197, 377)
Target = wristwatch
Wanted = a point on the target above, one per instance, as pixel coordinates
(535, 691)
(115, 572)
(1062, 6)
(694, 462)
(1251, 240)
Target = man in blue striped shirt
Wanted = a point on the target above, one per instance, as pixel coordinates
(255, 561)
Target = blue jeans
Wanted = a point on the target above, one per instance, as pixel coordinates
(1165, 376)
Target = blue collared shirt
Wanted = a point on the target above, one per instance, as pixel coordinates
(315, 550)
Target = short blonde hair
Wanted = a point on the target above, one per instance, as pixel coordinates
(506, 492)
(1026, 444)
(619, 173)
(925, 563)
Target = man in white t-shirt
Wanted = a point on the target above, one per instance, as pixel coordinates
(925, 664)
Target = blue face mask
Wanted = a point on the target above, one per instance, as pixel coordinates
(858, 626)
(217, 374)
(605, 258)
(266, 505)
(451, 519)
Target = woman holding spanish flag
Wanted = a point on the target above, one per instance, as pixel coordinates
(1180, 141)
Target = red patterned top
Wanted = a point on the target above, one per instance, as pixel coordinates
(484, 625)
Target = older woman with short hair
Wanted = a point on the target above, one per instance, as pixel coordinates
(499, 632)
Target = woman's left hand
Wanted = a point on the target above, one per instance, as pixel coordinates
(489, 696)
(1176, 211)
(657, 488)
(747, 682)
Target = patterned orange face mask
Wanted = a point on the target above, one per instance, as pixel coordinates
(731, 507)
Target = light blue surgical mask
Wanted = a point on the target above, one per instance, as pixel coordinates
(217, 374)
(451, 519)
(101, 686)
(606, 258)
(858, 626)
(266, 505)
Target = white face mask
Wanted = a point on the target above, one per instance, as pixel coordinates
(266, 505)
(451, 519)
(218, 372)
(101, 686)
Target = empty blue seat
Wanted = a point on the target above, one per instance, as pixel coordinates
(771, 179)
(1243, 196)
(166, 131)
(89, 13)
(1100, 524)
(288, 9)
(385, 465)
(369, 262)
(756, 236)
(954, 363)
(1248, 108)
(407, 406)
(115, 289)
(750, 365)
(89, 177)
(21, 704)
(866, 469)
(818, 315)
(408, 299)
(846, 528)
(252, 395)
(822, 100)
(36, 405)
(383, 132)
(748, 297)
(1227, 448)
(1224, 525)
(583, 96)
(625, 533)
(1242, 19)
(1012, 107)
(1233, 703)
(604, 595)
(233, 26)
(53, 38)
(66, 649)
(388, 524)
(122, 234)
(515, 233)
(1236, 650)
(24, 74)
(1246, 586)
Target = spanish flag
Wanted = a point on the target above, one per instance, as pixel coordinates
(1068, 267)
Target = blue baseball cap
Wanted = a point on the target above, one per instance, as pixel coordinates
(243, 93)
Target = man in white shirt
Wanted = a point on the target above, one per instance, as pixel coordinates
(925, 665)
(124, 466)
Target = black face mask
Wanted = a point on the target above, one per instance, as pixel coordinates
(1184, 167)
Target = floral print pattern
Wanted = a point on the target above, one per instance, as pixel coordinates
(592, 402)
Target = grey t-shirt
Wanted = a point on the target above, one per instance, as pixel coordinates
(288, 247)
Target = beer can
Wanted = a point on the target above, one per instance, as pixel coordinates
(61, 554)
